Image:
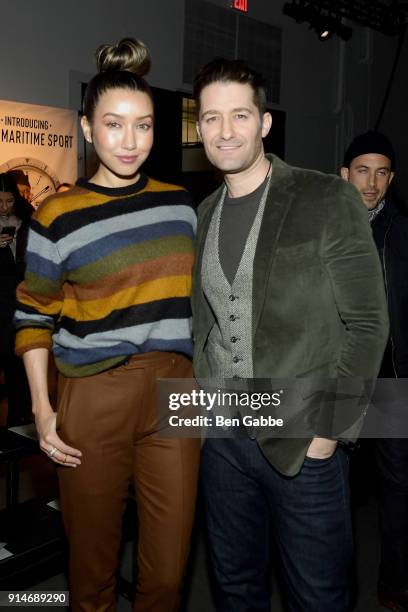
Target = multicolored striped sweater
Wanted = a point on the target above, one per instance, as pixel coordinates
(108, 275)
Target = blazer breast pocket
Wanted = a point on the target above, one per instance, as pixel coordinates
(299, 260)
(300, 252)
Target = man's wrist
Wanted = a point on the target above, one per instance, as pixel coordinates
(321, 448)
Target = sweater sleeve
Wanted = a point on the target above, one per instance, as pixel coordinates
(40, 295)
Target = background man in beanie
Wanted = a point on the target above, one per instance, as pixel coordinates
(369, 164)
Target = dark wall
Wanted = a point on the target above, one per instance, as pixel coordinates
(164, 162)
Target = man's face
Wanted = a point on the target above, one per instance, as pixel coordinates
(371, 174)
(231, 127)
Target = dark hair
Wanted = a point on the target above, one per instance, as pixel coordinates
(119, 66)
(235, 71)
(21, 208)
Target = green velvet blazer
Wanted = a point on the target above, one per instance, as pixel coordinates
(319, 307)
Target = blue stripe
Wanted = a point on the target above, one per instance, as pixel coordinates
(80, 357)
(43, 268)
(94, 251)
(22, 319)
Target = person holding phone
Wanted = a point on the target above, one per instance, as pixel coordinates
(107, 288)
(14, 221)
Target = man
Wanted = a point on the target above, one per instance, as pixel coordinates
(277, 294)
(369, 164)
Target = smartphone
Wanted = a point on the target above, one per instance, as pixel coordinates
(10, 230)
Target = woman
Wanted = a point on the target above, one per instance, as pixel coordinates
(108, 280)
(14, 221)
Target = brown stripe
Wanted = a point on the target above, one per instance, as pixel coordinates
(132, 276)
(30, 298)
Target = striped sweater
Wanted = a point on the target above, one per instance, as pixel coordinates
(108, 275)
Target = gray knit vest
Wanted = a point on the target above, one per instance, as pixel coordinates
(229, 346)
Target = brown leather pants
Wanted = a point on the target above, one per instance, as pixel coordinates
(110, 417)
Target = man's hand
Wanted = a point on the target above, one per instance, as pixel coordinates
(321, 448)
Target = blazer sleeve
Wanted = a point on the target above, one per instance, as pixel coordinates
(353, 267)
(396, 263)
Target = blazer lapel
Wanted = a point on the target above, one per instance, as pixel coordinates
(203, 318)
(279, 199)
(204, 220)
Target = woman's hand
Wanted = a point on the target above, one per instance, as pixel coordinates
(51, 443)
(36, 364)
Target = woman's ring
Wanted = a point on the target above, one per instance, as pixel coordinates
(52, 452)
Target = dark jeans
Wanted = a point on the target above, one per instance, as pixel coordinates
(247, 500)
(392, 461)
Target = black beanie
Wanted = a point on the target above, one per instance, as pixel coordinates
(370, 142)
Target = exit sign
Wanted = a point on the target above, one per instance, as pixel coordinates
(240, 5)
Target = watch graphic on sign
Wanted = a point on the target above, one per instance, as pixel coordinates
(35, 179)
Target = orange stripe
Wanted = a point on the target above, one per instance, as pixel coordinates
(31, 337)
(79, 198)
(153, 185)
(159, 289)
(60, 203)
(44, 304)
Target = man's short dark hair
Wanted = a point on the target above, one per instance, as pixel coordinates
(230, 71)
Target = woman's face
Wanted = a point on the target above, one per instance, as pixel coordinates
(122, 134)
(6, 203)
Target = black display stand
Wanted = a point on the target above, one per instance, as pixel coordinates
(31, 533)
(14, 447)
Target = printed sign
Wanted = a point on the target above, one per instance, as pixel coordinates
(38, 144)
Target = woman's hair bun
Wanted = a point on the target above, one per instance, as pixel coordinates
(129, 54)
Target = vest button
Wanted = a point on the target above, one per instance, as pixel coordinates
(232, 297)
(233, 317)
(234, 339)
(236, 377)
(236, 359)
